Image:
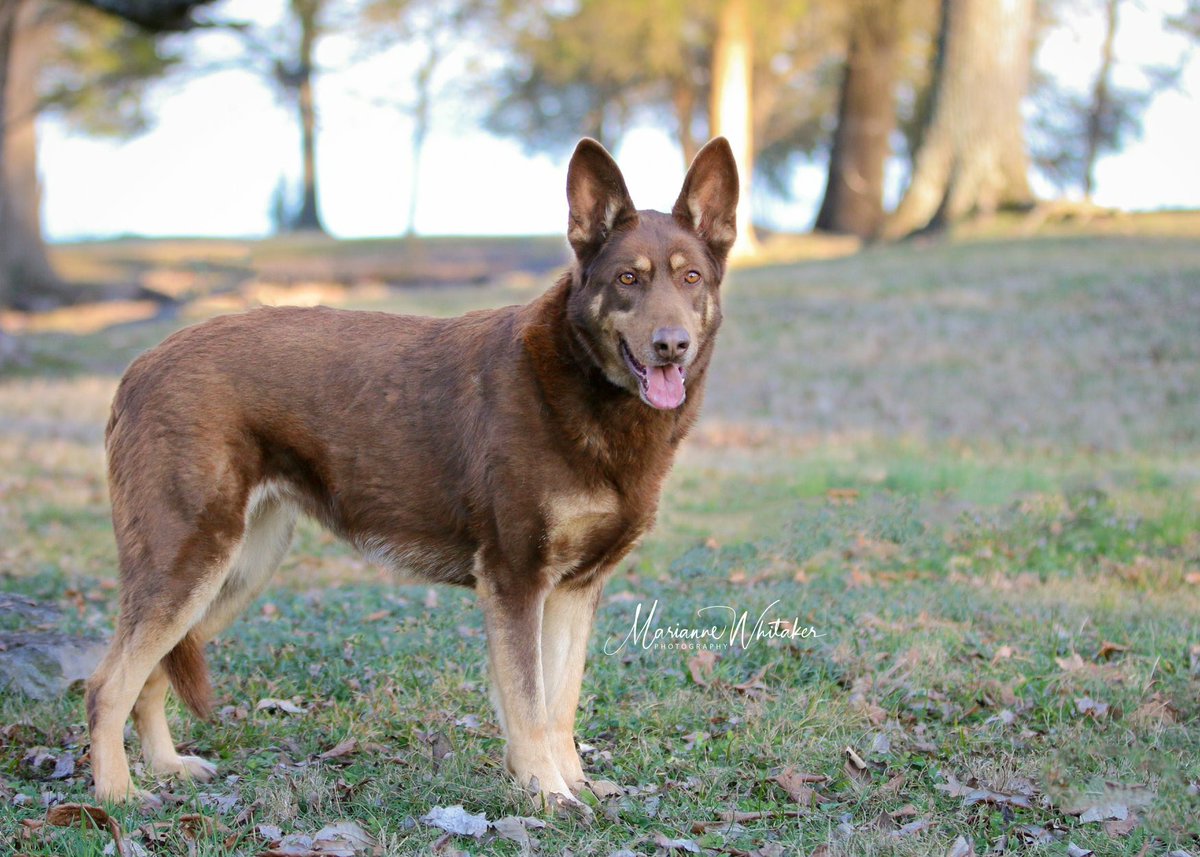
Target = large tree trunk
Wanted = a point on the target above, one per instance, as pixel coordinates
(1100, 107)
(853, 201)
(27, 279)
(731, 110)
(683, 99)
(306, 11)
(972, 157)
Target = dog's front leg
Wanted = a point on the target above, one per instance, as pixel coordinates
(514, 632)
(566, 626)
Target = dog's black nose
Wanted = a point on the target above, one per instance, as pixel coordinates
(671, 343)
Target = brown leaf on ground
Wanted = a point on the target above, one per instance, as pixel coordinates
(667, 844)
(978, 793)
(961, 848)
(73, 814)
(701, 666)
(1003, 653)
(1156, 711)
(377, 615)
(345, 748)
(754, 686)
(284, 706)
(795, 784)
(1074, 850)
(1089, 707)
(1108, 649)
(1073, 663)
(1120, 828)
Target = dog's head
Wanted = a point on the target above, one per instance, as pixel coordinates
(646, 294)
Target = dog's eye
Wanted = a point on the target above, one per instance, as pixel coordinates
(627, 279)
(691, 277)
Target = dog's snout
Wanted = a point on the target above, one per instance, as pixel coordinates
(671, 343)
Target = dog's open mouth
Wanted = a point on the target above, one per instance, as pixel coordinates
(660, 386)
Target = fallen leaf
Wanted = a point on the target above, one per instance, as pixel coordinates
(345, 748)
(1108, 649)
(516, 828)
(340, 836)
(605, 789)
(1120, 828)
(1074, 850)
(688, 845)
(1089, 707)
(795, 784)
(979, 794)
(269, 832)
(1104, 812)
(1074, 663)
(1003, 654)
(377, 615)
(912, 828)
(283, 705)
(72, 814)
(961, 848)
(455, 819)
(701, 665)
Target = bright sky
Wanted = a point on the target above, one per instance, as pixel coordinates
(221, 143)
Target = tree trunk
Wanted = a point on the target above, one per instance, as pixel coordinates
(972, 157)
(731, 110)
(683, 99)
(27, 279)
(853, 202)
(423, 83)
(1101, 97)
(306, 11)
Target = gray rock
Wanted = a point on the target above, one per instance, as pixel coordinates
(43, 664)
(22, 613)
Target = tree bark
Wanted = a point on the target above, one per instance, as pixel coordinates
(1101, 98)
(308, 219)
(972, 157)
(853, 202)
(27, 279)
(683, 99)
(731, 109)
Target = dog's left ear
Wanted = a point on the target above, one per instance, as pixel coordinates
(597, 199)
(708, 202)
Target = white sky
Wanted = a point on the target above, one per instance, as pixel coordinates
(221, 143)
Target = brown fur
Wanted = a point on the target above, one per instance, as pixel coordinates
(512, 450)
(188, 672)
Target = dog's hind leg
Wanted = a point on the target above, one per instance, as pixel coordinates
(566, 626)
(152, 623)
(269, 524)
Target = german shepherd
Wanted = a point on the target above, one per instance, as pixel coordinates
(518, 451)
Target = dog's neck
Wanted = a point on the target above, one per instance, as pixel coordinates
(612, 425)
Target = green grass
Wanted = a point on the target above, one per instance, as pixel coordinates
(973, 469)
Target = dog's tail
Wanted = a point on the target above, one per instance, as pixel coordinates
(188, 672)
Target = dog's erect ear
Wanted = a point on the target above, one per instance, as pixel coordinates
(708, 202)
(596, 198)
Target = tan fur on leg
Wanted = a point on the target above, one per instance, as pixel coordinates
(566, 626)
(514, 655)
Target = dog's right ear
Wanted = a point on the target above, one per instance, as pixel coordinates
(597, 199)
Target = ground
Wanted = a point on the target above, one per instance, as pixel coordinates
(965, 473)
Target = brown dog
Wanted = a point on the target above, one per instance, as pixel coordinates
(520, 451)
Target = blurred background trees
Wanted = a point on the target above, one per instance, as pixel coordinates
(918, 102)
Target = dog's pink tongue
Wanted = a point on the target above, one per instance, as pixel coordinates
(664, 386)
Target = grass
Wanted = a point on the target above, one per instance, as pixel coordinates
(973, 469)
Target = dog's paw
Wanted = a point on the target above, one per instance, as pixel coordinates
(196, 768)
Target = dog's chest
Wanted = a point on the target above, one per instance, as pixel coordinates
(580, 523)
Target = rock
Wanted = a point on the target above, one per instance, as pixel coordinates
(17, 611)
(43, 664)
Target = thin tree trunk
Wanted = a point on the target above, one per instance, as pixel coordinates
(853, 200)
(309, 218)
(732, 103)
(423, 83)
(683, 98)
(972, 157)
(27, 278)
(1100, 99)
